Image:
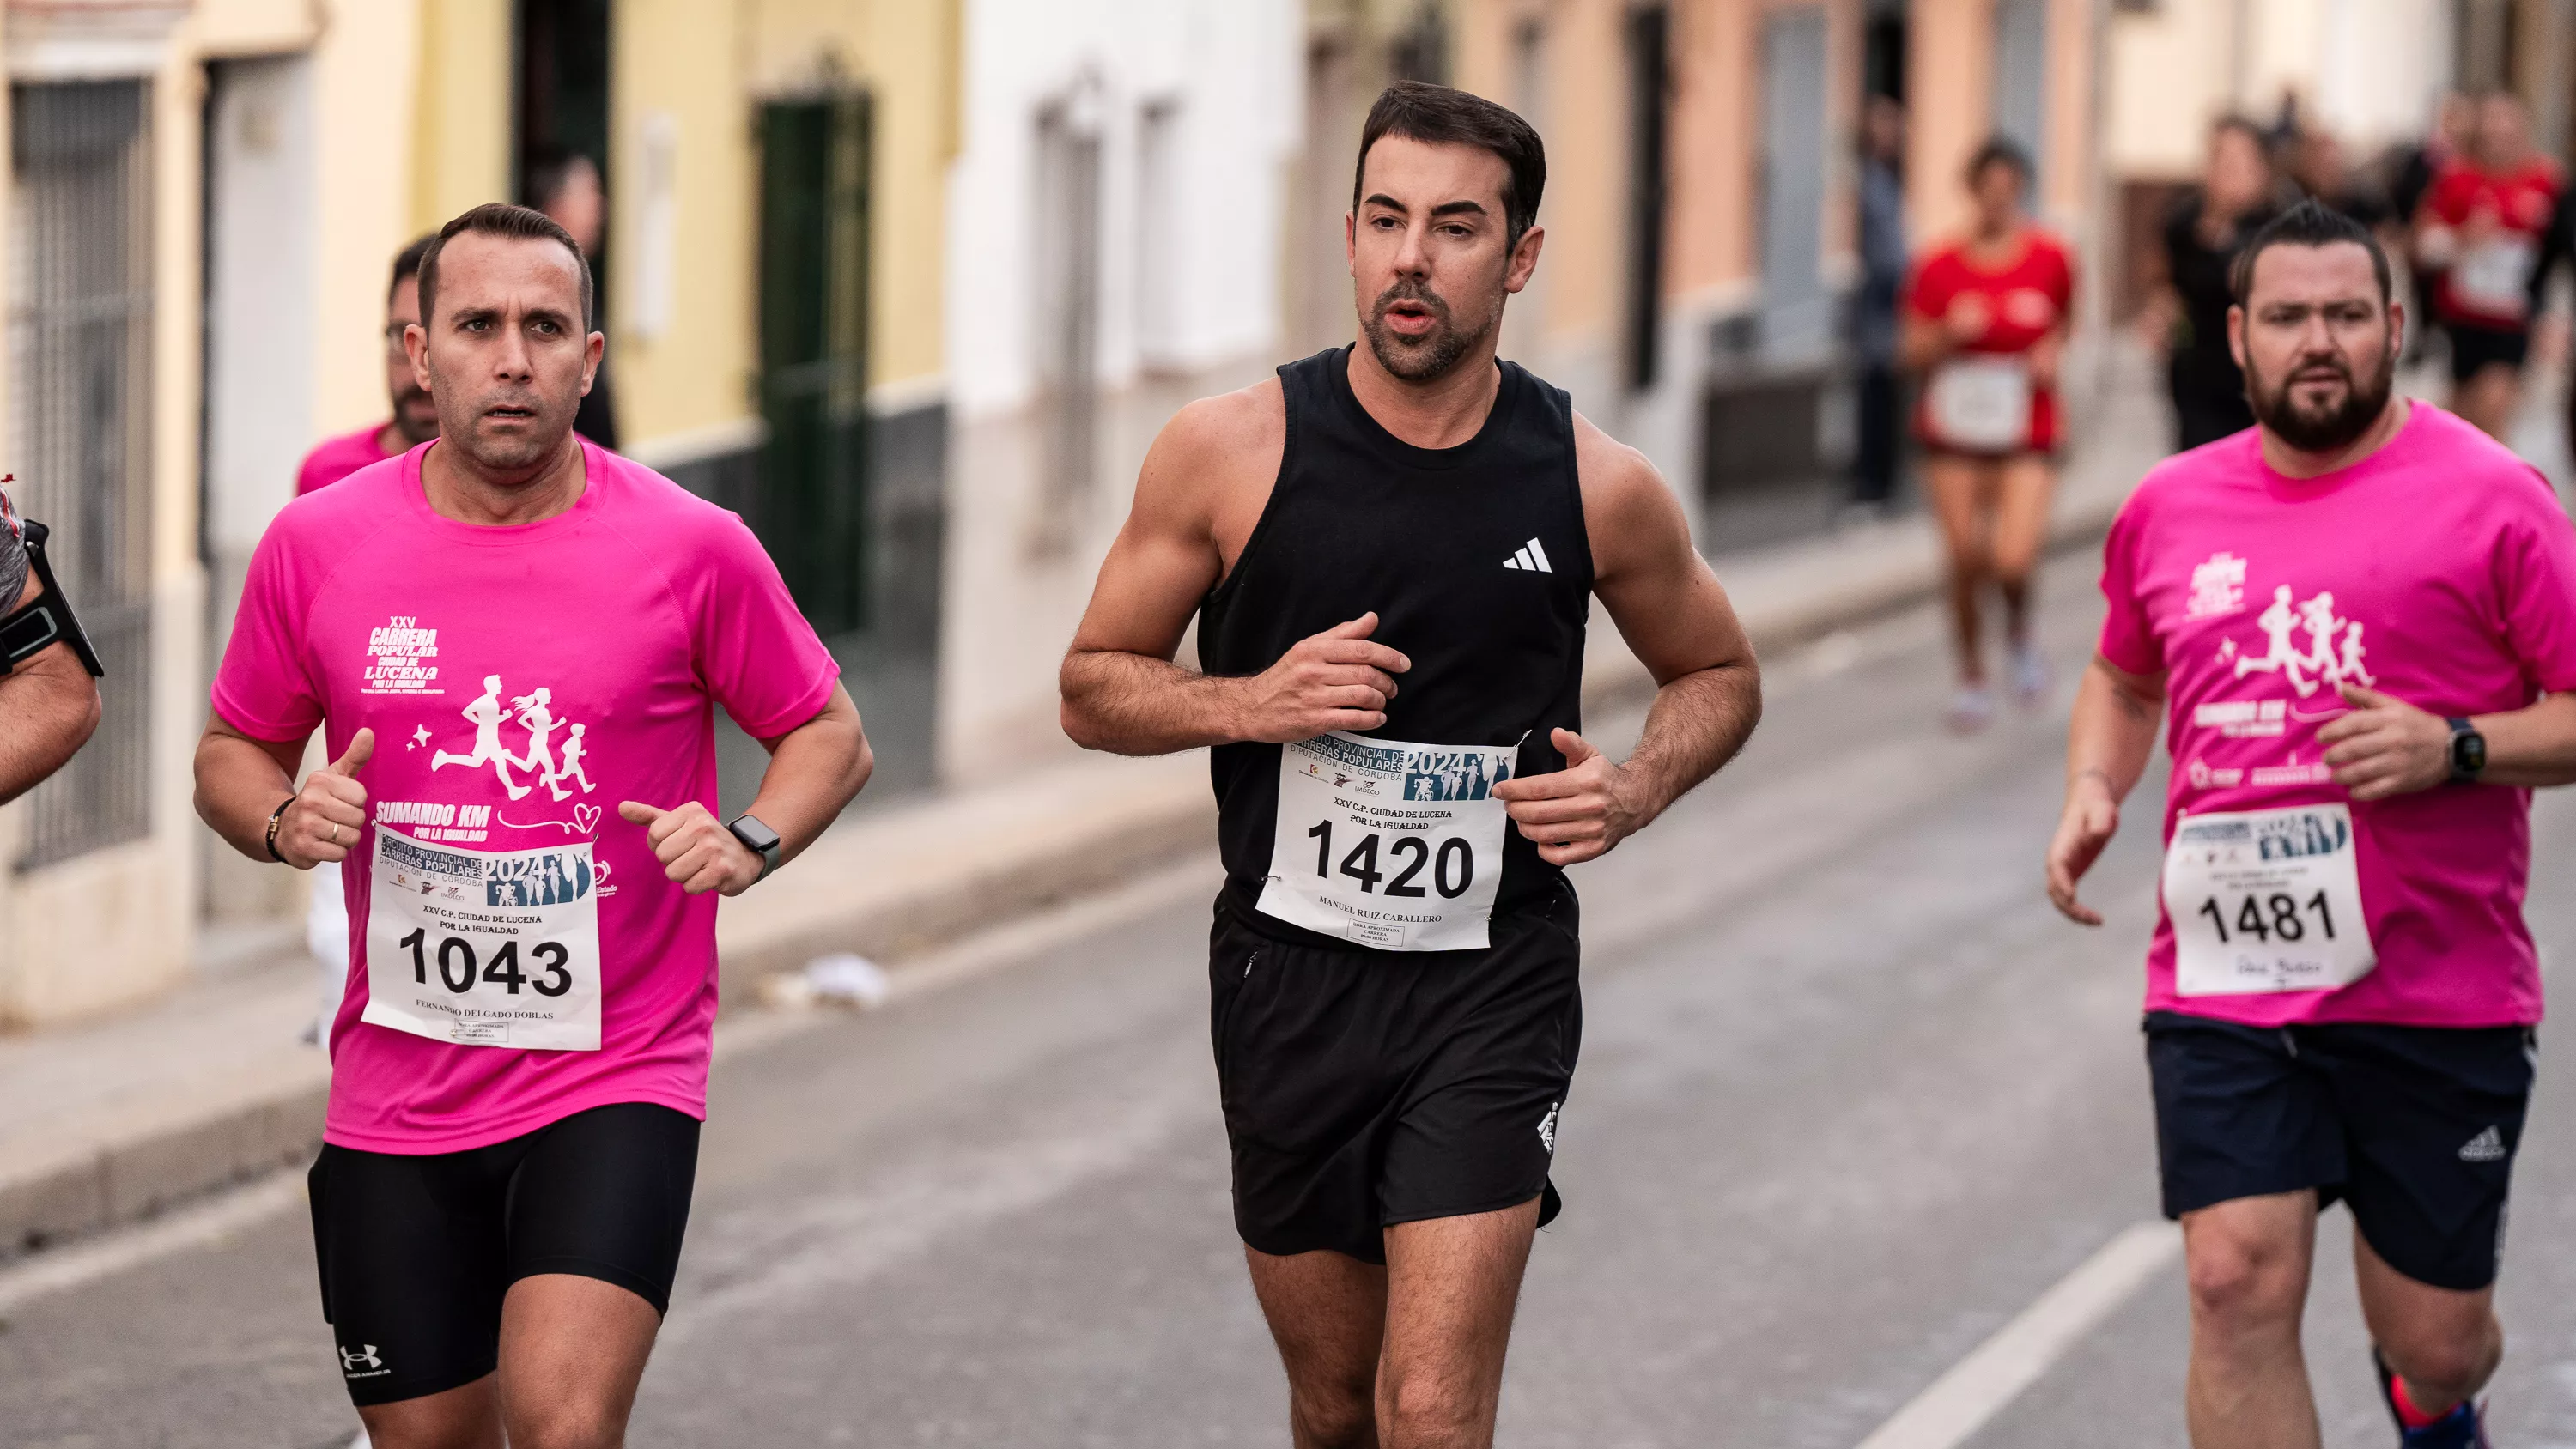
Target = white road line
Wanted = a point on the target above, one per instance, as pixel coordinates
(209, 1222)
(1979, 1386)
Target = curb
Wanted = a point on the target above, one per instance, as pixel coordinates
(894, 884)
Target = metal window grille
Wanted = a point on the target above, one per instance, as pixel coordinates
(80, 316)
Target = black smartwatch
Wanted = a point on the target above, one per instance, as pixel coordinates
(759, 839)
(2468, 752)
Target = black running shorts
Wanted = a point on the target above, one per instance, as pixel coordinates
(2414, 1126)
(2474, 349)
(416, 1252)
(1366, 1088)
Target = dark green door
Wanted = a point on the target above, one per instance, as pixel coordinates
(811, 509)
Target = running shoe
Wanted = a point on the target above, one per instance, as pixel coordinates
(2031, 677)
(2462, 1428)
(1971, 709)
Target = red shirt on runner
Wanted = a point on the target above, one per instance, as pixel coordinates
(2487, 281)
(2024, 300)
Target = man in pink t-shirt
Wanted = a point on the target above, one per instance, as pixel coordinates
(513, 642)
(415, 415)
(2358, 621)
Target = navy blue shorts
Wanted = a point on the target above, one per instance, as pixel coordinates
(2414, 1126)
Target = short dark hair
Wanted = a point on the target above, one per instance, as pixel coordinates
(2311, 223)
(514, 223)
(407, 263)
(2000, 151)
(1439, 115)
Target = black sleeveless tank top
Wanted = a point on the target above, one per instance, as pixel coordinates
(1476, 561)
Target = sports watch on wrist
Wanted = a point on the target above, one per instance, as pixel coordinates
(2468, 752)
(759, 839)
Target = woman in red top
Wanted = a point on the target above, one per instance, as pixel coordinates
(1985, 323)
(2481, 230)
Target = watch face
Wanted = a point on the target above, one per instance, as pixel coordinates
(2473, 753)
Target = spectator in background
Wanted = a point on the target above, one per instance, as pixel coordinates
(566, 186)
(2482, 223)
(1883, 258)
(2410, 179)
(2188, 316)
(2318, 165)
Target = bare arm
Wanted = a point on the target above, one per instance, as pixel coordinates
(2108, 745)
(242, 780)
(815, 771)
(1675, 616)
(1122, 692)
(2389, 747)
(48, 708)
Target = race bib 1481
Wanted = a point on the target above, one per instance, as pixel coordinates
(2266, 901)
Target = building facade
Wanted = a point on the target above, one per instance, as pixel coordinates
(205, 198)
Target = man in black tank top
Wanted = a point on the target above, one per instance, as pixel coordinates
(1391, 552)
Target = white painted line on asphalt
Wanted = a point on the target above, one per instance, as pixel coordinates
(81, 1264)
(1978, 1387)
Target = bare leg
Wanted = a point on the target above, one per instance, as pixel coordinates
(1452, 1284)
(2027, 485)
(2443, 1342)
(572, 1352)
(2248, 1262)
(468, 1417)
(2488, 398)
(1327, 1312)
(1956, 488)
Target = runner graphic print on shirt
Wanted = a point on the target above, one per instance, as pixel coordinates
(534, 712)
(2323, 663)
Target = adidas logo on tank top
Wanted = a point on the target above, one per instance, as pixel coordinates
(1531, 557)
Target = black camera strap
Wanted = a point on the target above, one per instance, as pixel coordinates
(47, 621)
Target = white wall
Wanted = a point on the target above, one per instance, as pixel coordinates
(259, 294)
(1231, 70)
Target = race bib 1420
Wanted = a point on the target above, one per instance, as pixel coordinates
(1387, 844)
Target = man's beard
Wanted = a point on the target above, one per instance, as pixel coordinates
(413, 423)
(2333, 429)
(1417, 359)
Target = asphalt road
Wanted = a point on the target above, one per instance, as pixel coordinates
(1852, 1098)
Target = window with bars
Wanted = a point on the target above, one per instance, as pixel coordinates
(80, 317)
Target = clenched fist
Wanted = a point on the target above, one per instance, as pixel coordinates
(323, 820)
(1578, 813)
(694, 847)
(1337, 680)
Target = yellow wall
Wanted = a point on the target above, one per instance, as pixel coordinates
(461, 121)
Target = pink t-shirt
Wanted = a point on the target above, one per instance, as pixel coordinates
(333, 459)
(2440, 571)
(638, 610)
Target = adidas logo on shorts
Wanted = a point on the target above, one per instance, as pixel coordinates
(2487, 1146)
(1547, 1127)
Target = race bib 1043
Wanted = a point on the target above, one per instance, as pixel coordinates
(1387, 844)
(484, 948)
(2266, 901)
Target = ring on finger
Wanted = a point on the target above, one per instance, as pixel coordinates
(335, 832)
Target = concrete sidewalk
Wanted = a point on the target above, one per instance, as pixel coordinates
(111, 1122)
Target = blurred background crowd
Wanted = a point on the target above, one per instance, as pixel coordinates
(911, 285)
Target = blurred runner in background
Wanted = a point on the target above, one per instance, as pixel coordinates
(566, 186)
(414, 421)
(2319, 166)
(1874, 325)
(2189, 316)
(2481, 223)
(1985, 322)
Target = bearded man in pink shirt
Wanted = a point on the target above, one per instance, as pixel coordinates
(519, 1069)
(2357, 622)
(415, 416)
